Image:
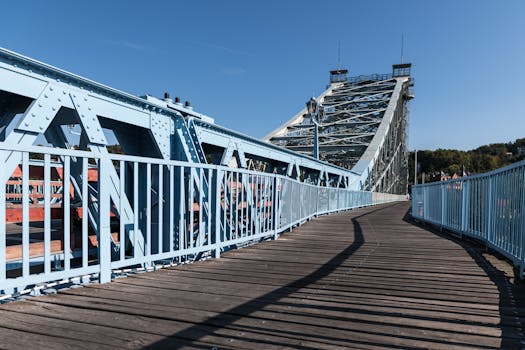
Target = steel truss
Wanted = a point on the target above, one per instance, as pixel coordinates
(181, 186)
(363, 128)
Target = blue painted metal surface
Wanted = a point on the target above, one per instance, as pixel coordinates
(218, 208)
(489, 207)
(165, 200)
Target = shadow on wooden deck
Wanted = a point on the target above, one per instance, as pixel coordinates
(365, 279)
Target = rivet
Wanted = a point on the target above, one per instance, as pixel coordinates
(85, 99)
(47, 118)
(82, 116)
(33, 115)
(59, 99)
(87, 127)
(50, 88)
(93, 119)
(89, 108)
(39, 105)
(53, 108)
(26, 124)
(98, 129)
(45, 95)
(41, 128)
(78, 105)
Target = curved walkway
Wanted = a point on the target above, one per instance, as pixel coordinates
(364, 279)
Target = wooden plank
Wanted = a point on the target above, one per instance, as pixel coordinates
(363, 279)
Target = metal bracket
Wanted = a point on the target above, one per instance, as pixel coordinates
(160, 126)
(88, 119)
(43, 110)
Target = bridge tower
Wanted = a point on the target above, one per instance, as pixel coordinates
(361, 127)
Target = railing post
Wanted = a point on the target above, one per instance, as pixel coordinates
(104, 234)
(317, 202)
(464, 207)
(489, 219)
(425, 202)
(521, 179)
(217, 233)
(275, 209)
(443, 204)
(2, 228)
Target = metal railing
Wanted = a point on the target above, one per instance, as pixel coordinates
(489, 207)
(136, 211)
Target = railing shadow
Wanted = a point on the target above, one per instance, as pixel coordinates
(502, 282)
(200, 330)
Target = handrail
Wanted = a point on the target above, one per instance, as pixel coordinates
(489, 207)
(179, 211)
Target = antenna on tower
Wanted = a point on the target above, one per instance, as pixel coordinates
(402, 46)
(339, 55)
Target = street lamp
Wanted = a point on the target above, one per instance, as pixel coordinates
(313, 109)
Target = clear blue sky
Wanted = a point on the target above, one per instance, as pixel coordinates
(252, 65)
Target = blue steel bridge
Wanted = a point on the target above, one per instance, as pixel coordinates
(304, 239)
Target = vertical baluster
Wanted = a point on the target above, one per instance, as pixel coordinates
(200, 237)
(266, 205)
(25, 214)
(191, 203)
(136, 251)
(209, 204)
(160, 247)
(237, 204)
(122, 193)
(85, 212)
(148, 210)
(182, 210)
(104, 229)
(244, 207)
(225, 204)
(230, 183)
(66, 200)
(217, 252)
(171, 201)
(2, 228)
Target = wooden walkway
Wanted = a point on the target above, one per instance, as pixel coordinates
(364, 279)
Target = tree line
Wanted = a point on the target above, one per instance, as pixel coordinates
(479, 160)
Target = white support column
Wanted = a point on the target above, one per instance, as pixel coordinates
(104, 231)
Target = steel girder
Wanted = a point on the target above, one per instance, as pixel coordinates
(363, 129)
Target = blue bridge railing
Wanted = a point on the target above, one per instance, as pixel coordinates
(489, 207)
(115, 212)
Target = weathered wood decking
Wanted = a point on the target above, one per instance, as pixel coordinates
(364, 279)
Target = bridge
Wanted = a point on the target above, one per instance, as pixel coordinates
(303, 239)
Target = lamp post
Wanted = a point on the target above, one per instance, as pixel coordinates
(415, 167)
(313, 109)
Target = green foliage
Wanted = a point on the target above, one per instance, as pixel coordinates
(479, 160)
